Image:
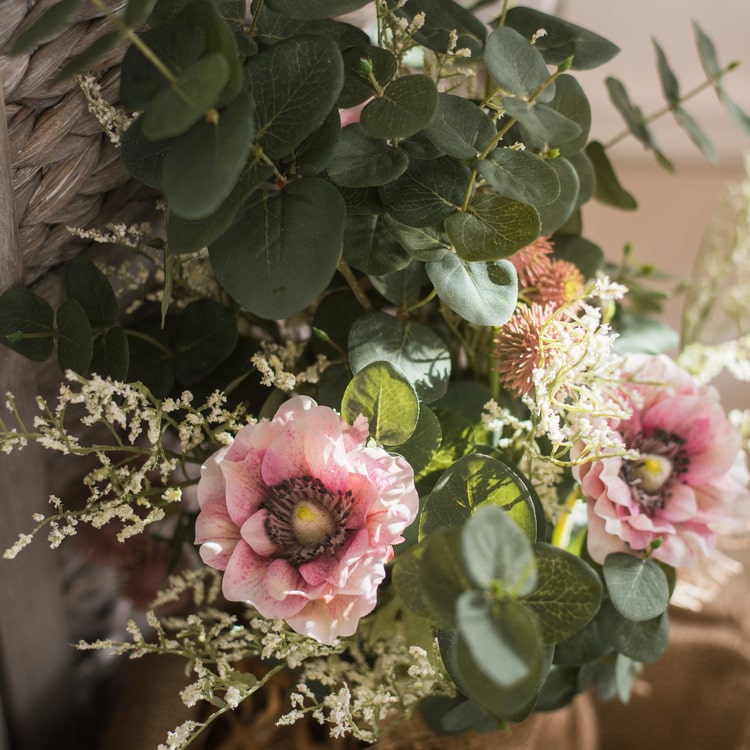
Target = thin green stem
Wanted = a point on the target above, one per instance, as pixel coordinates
(351, 280)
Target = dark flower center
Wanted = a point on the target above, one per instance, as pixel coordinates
(306, 519)
(663, 461)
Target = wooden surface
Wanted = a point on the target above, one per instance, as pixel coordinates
(35, 657)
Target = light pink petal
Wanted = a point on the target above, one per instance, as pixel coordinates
(216, 533)
(245, 490)
(253, 437)
(211, 484)
(255, 534)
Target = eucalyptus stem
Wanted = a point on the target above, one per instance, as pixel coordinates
(351, 280)
(667, 108)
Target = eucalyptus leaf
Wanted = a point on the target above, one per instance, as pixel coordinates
(563, 40)
(283, 249)
(206, 336)
(696, 134)
(202, 165)
(370, 247)
(492, 227)
(669, 85)
(311, 9)
(55, 18)
(515, 65)
(471, 482)
(143, 157)
(404, 107)
(86, 60)
(642, 641)
(295, 84)
(406, 580)
(74, 337)
(414, 348)
(419, 449)
(23, 313)
(361, 62)
(384, 395)
(316, 151)
(86, 284)
(707, 53)
(586, 176)
(542, 124)
(138, 11)
(582, 253)
(555, 214)
(608, 189)
(196, 90)
(740, 118)
(111, 358)
(422, 243)
(428, 192)
(568, 593)
(364, 161)
(497, 554)
(521, 175)
(404, 286)
(637, 588)
(460, 128)
(483, 293)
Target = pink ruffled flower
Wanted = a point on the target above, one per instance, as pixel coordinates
(690, 476)
(301, 516)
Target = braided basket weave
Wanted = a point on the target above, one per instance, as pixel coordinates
(64, 170)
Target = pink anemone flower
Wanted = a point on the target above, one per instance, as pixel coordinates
(689, 479)
(301, 515)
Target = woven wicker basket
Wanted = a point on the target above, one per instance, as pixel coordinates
(64, 170)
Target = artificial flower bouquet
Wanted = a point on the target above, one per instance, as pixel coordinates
(381, 413)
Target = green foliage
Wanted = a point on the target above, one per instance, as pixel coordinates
(637, 588)
(26, 323)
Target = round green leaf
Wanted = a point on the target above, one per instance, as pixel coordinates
(406, 580)
(385, 396)
(202, 165)
(86, 284)
(359, 61)
(483, 293)
(111, 358)
(309, 10)
(206, 337)
(149, 363)
(515, 64)
(571, 102)
(370, 247)
(542, 123)
(24, 313)
(642, 641)
(272, 27)
(521, 175)
(497, 555)
(637, 588)
(174, 109)
(555, 214)
(412, 347)
(427, 192)
(364, 161)
(419, 449)
(295, 84)
(404, 286)
(422, 243)
(74, 337)
(283, 249)
(315, 153)
(460, 128)
(608, 189)
(470, 483)
(567, 595)
(143, 157)
(492, 227)
(404, 107)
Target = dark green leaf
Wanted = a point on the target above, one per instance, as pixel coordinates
(150, 361)
(483, 293)
(86, 284)
(608, 189)
(359, 63)
(422, 243)
(739, 116)
(23, 313)
(74, 338)
(316, 151)
(283, 249)
(541, 123)
(460, 128)
(585, 645)
(579, 251)
(470, 483)
(404, 286)
(586, 177)
(333, 320)
(406, 580)
(309, 10)
(457, 441)
(143, 157)
(138, 11)
(364, 161)
(196, 90)
(643, 641)
(404, 107)
(295, 84)
(53, 20)
(696, 134)
(187, 236)
(492, 227)
(521, 175)
(568, 593)
(563, 39)
(419, 449)
(111, 358)
(497, 554)
(645, 334)
(414, 348)
(441, 18)
(555, 214)
(516, 65)
(206, 337)
(202, 165)
(384, 395)
(707, 53)
(669, 84)
(637, 588)
(370, 247)
(427, 192)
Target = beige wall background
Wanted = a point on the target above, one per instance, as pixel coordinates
(674, 208)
